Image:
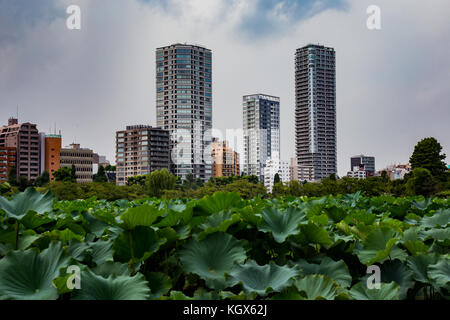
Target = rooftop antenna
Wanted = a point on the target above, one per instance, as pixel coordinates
(17, 112)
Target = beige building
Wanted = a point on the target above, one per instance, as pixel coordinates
(225, 160)
(293, 170)
(81, 158)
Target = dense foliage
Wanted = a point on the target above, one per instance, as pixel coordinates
(224, 247)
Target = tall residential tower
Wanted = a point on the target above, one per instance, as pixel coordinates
(184, 106)
(261, 115)
(315, 112)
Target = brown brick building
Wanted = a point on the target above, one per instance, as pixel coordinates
(225, 160)
(7, 161)
(26, 140)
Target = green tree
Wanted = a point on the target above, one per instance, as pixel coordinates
(421, 182)
(100, 176)
(12, 176)
(64, 174)
(159, 181)
(294, 188)
(276, 179)
(73, 173)
(42, 180)
(136, 180)
(279, 189)
(427, 155)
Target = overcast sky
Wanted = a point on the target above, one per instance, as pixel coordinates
(393, 85)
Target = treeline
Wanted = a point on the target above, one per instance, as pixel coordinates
(430, 177)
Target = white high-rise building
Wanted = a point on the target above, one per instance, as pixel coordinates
(261, 116)
(274, 166)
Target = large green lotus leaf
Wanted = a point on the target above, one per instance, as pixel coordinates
(440, 218)
(398, 272)
(440, 235)
(439, 273)
(96, 287)
(211, 258)
(95, 225)
(422, 205)
(142, 241)
(101, 251)
(173, 215)
(110, 268)
(221, 201)
(337, 271)
(27, 238)
(419, 266)
(217, 222)
(24, 202)
(378, 246)
(177, 295)
(317, 287)
(77, 250)
(387, 291)
(337, 214)
(28, 275)
(288, 294)
(33, 220)
(313, 234)
(160, 284)
(280, 223)
(416, 247)
(144, 215)
(263, 279)
(65, 235)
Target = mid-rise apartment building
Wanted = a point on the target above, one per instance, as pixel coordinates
(293, 170)
(52, 154)
(261, 117)
(315, 112)
(140, 150)
(25, 139)
(81, 158)
(184, 106)
(7, 161)
(225, 160)
(367, 162)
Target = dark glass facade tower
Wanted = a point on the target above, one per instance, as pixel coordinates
(315, 112)
(184, 106)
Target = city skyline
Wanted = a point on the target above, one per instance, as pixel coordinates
(91, 87)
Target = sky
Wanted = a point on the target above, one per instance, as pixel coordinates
(393, 84)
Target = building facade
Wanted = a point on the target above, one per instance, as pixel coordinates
(315, 112)
(184, 106)
(25, 139)
(293, 170)
(7, 161)
(261, 117)
(141, 150)
(81, 158)
(272, 167)
(367, 162)
(52, 154)
(225, 160)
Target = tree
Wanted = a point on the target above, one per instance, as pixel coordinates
(421, 182)
(73, 173)
(100, 176)
(12, 176)
(64, 174)
(159, 181)
(23, 183)
(136, 180)
(427, 155)
(276, 179)
(42, 180)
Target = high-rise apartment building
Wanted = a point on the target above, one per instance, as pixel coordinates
(25, 139)
(315, 113)
(81, 158)
(261, 116)
(225, 160)
(52, 157)
(141, 150)
(7, 161)
(184, 106)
